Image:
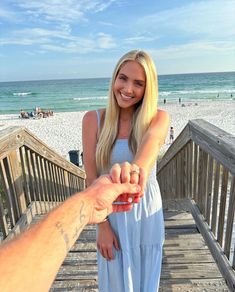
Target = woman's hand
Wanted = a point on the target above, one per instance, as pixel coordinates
(106, 240)
(129, 173)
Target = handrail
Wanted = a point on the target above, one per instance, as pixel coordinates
(32, 177)
(200, 166)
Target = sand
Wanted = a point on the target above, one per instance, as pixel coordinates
(63, 131)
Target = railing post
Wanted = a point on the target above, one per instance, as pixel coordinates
(17, 174)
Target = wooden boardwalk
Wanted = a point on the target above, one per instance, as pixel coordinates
(187, 262)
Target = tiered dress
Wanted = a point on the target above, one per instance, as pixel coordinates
(140, 233)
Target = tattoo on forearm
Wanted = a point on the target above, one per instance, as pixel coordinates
(82, 217)
(64, 234)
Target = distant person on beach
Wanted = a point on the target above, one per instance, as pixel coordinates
(164, 101)
(130, 131)
(23, 114)
(31, 261)
(179, 100)
(171, 134)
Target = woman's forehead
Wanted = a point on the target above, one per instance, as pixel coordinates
(133, 69)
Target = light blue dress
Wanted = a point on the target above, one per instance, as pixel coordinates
(140, 233)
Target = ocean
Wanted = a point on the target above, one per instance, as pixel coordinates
(86, 94)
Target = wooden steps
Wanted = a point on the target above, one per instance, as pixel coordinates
(187, 262)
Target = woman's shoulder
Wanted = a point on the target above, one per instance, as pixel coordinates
(91, 116)
(161, 114)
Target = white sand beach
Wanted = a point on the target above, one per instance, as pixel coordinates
(63, 131)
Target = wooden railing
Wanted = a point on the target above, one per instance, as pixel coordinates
(33, 179)
(200, 166)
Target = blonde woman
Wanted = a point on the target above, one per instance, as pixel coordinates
(125, 139)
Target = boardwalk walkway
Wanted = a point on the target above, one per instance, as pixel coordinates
(187, 262)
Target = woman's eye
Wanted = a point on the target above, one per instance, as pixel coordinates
(122, 77)
(139, 84)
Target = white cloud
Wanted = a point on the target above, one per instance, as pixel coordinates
(7, 14)
(65, 11)
(202, 18)
(59, 40)
(194, 49)
(137, 39)
(105, 41)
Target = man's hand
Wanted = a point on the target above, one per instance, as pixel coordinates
(103, 192)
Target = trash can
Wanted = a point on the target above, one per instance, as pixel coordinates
(74, 157)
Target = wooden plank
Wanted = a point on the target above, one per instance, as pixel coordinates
(183, 223)
(3, 219)
(180, 244)
(177, 256)
(7, 190)
(216, 142)
(25, 175)
(170, 214)
(201, 271)
(209, 190)
(24, 221)
(204, 193)
(81, 285)
(11, 138)
(195, 180)
(230, 218)
(193, 285)
(223, 197)
(36, 182)
(200, 185)
(175, 177)
(29, 175)
(215, 198)
(17, 177)
(42, 186)
(178, 144)
(216, 250)
(50, 179)
(66, 178)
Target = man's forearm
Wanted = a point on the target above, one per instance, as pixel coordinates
(31, 261)
(43, 248)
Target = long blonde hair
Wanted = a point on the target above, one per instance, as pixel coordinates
(145, 110)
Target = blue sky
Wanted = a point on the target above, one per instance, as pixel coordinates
(51, 39)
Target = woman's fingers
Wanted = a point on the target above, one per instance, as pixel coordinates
(107, 252)
(125, 172)
(115, 173)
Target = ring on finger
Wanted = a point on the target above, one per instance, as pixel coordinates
(136, 171)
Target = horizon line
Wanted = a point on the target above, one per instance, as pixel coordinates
(83, 78)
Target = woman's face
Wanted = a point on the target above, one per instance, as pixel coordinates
(129, 85)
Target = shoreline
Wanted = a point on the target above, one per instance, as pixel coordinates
(63, 131)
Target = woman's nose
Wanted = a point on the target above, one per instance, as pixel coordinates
(128, 87)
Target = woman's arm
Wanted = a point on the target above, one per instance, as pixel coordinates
(137, 171)
(89, 140)
(152, 141)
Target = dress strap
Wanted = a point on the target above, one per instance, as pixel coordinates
(98, 118)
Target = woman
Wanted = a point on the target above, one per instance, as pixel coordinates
(126, 137)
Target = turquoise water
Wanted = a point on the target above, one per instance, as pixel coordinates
(86, 94)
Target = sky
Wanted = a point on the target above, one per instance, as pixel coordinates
(52, 39)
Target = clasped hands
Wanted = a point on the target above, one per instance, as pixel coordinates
(125, 184)
(129, 173)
